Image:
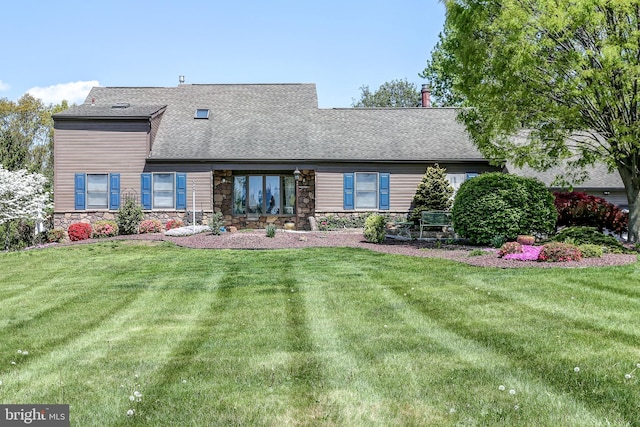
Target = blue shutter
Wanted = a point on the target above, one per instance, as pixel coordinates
(348, 191)
(181, 191)
(114, 191)
(145, 190)
(383, 191)
(80, 189)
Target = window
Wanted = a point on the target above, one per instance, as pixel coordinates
(202, 113)
(366, 191)
(164, 191)
(97, 191)
(456, 179)
(263, 194)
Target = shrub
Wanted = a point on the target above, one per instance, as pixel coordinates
(374, 228)
(18, 234)
(510, 248)
(271, 230)
(173, 223)
(129, 216)
(55, 235)
(498, 241)
(216, 223)
(433, 194)
(559, 252)
(575, 208)
(105, 228)
(79, 231)
(589, 235)
(498, 204)
(591, 251)
(332, 222)
(150, 226)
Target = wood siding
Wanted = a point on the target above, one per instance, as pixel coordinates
(403, 182)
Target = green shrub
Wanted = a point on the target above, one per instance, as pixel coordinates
(591, 251)
(18, 234)
(374, 228)
(510, 248)
(332, 222)
(498, 241)
(129, 216)
(105, 228)
(478, 252)
(271, 230)
(589, 235)
(216, 222)
(433, 194)
(56, 235)
(498, 204)
(150, 226)
(559, 252)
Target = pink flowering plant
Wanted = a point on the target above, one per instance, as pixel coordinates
(529, 253)
(559, 252)
(173, 223)
(150, 226)
(105, 228)
(510, 248)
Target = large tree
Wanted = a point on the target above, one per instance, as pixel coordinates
(396, 93)
(548, 82)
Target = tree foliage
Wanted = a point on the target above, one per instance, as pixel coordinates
(434, 192)
(396, 93)
(547, 83)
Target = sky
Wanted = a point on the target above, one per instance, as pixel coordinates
(60, 49)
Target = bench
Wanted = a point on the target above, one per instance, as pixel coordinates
(435, 219)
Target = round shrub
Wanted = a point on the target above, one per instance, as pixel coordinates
(591, 251)
(55, 235)
(150, 226)
(510, 248)
(559, 252)
(498, 204)
(173, 223)
(79, 231)
(105, 228)
(374, 228)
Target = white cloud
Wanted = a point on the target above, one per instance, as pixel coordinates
(4, 86)
(73, 92)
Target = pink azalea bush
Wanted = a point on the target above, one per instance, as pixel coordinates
(173, 223)
(105, 228)
(150, 226)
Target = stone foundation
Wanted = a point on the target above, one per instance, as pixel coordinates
(64, 220)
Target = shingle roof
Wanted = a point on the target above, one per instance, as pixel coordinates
(599, 176)
(276, 122)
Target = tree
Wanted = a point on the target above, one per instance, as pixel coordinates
(433, 194)
(396, 93)
(22, 196)
(548, 83)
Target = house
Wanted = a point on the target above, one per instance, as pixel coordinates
(235, 148)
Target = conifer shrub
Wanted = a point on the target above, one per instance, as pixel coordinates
(79, 231)
(498, 204)
(591, 251)
(434, 193)
(129, 216)
(589, 235)
(374, 228)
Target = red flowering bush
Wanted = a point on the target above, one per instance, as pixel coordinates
(559, 252)
(79, 231)
(510, 248)
(105, 228)
(150, 226)
(582, 209)
(173, 223)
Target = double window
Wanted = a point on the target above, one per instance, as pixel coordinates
(366, 191)
(263, 195)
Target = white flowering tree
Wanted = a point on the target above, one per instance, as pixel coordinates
(22, 195)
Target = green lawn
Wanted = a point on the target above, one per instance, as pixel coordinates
(327, 337)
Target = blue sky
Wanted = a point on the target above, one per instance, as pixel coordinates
(59, 49)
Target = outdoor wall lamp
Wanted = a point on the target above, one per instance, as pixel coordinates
(296, 174)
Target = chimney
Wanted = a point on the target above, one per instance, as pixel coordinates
(426, 96)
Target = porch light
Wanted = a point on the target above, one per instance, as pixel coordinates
(296, 174)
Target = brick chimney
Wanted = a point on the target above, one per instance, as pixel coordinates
(426, 96)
